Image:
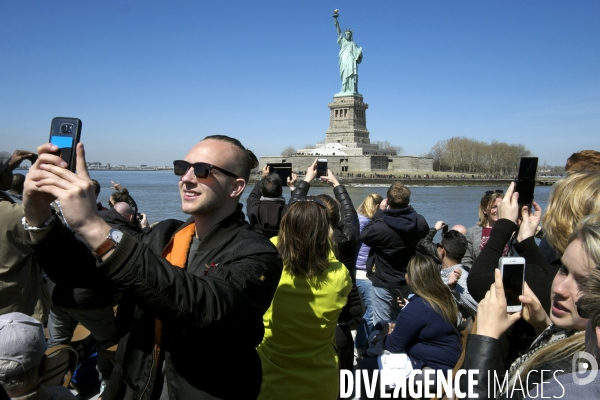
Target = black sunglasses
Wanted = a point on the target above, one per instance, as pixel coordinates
(201, 169)
(580, 310)
(495, 191)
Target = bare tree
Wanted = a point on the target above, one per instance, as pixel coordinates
(462, 154)
(288, 151)
(387, 147)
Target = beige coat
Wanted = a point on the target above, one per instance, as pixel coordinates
(22, 288)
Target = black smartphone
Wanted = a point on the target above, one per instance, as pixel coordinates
(444, 230)
(321, 167)
(65, 133)
(525, 182)
(399, 294)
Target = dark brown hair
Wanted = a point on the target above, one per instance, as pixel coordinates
(304, 239)
(584, 160)
(398, 195)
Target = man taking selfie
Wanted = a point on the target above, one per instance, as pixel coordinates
(201, 287)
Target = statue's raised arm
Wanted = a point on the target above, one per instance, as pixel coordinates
(349, 57)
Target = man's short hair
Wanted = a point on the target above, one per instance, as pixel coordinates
(584, 160)
(17, 183)
(398, 195)
(246, 163)
(22, 346)
(270, 186)
(96, 187)
(455, 244)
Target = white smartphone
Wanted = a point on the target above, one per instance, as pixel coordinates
(513, 276)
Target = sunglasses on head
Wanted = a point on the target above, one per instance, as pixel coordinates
(581, 310)
(201, 169)
(495, 191)
(308, 198)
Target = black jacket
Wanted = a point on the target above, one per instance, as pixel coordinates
(538, 273)
(393, 235)
(212, 323)
(102, 293)
(483, 354)
(264, 215)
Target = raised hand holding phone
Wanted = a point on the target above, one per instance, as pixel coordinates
(529, 221)
(508, 208)
(492, 318)
(74, 191)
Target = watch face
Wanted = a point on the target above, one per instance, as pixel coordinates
(115, 235)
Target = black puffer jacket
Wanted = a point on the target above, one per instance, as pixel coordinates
(393, 235)
(212, 323)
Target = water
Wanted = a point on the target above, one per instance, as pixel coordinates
(156, 194)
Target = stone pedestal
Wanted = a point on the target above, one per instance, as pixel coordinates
(348, 121)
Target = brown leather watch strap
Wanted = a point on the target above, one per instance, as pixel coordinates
(104, 248)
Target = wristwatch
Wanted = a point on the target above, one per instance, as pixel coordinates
(112, 240)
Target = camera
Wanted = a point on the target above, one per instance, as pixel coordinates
(66, 128)
(139, 216)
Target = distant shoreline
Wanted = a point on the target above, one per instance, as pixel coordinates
(364, 182)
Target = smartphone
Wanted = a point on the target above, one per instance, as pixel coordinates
(65, 133)
(399, 294)
(525, 183)
(321, 167)
(513, 276)
(444, 230)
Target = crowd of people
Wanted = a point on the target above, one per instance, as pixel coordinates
(274, 303)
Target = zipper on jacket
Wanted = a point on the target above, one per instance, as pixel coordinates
(154, 359)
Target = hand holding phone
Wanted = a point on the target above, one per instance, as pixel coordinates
(402, 302)
(492, 318)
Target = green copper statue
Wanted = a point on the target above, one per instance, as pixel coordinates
(349, 57)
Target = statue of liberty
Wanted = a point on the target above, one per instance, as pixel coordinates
(349, 57)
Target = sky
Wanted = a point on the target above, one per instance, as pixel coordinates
(151, 78)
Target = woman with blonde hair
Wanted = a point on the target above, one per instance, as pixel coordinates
(561, 334)
(365, 211)
(298, 355)
(571, 199)
(478, 235)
